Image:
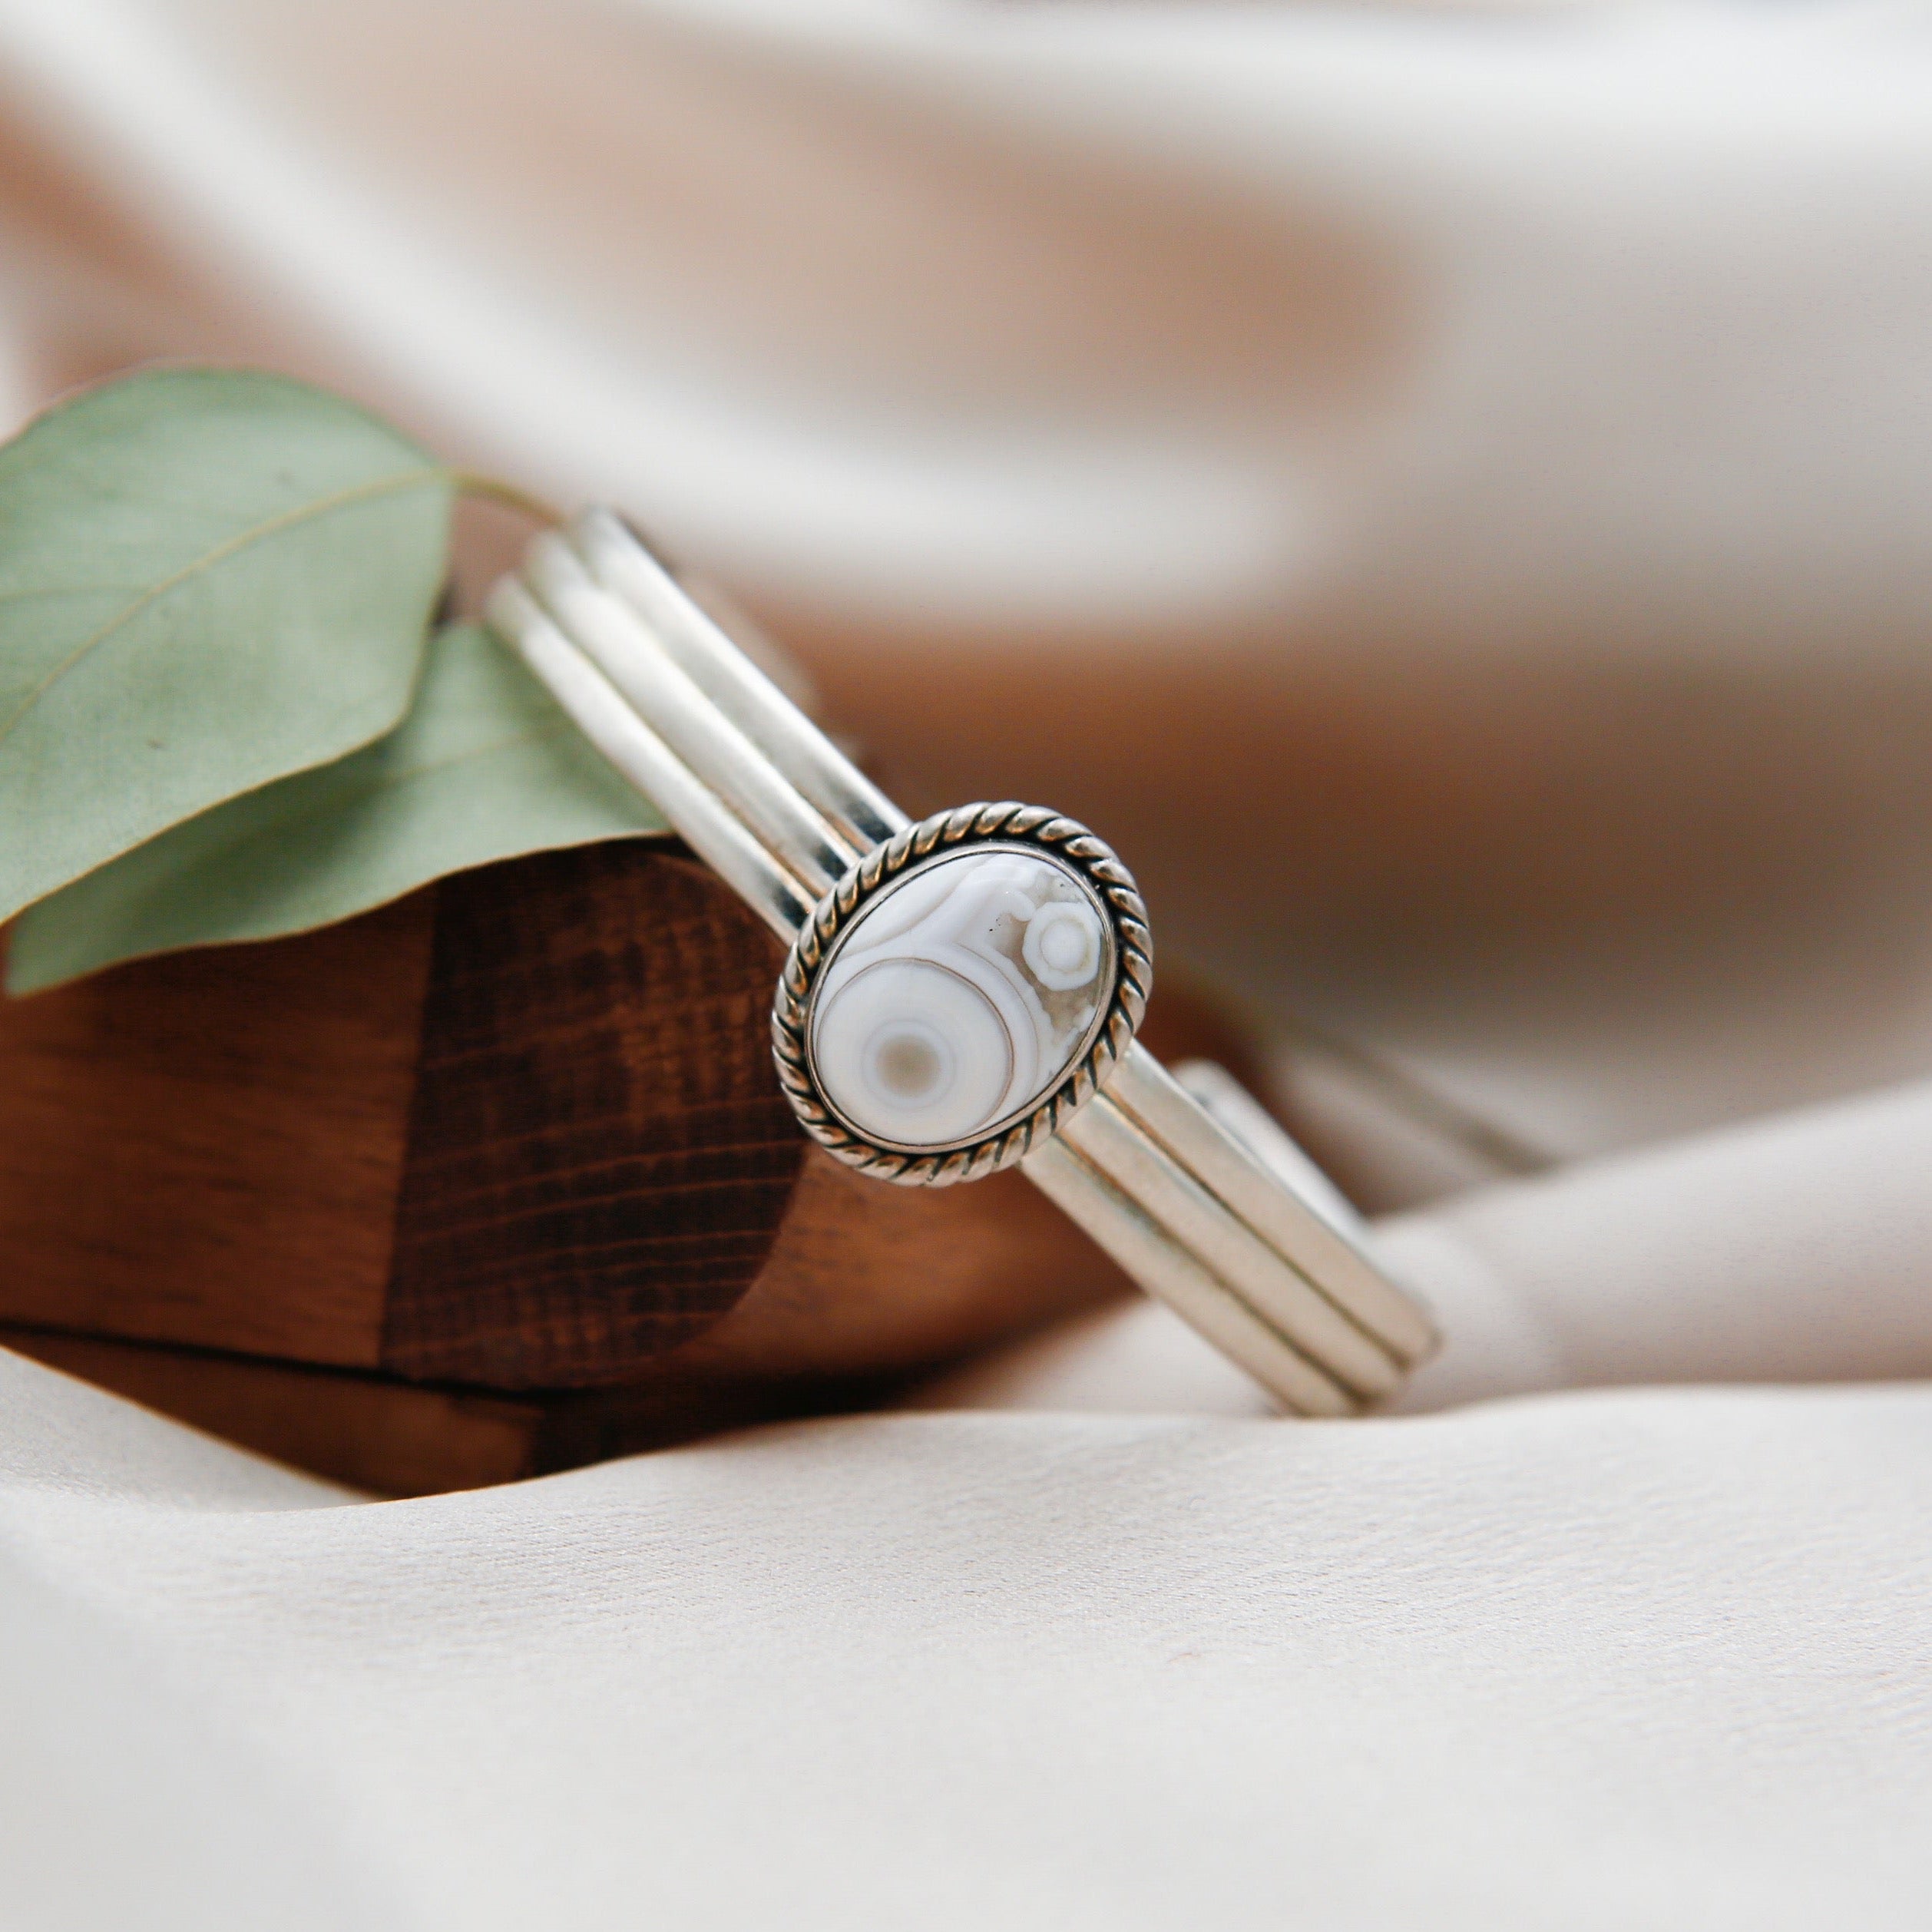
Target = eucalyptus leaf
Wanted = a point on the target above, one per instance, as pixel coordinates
(208, 580)
(486, 766)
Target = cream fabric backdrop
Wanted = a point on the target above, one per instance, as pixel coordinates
(1480, 457)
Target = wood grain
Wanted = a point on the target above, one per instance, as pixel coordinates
(599, 1152)
(207, 1149)
(520, 1130)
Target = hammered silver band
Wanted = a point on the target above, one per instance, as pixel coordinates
(1191, 1189)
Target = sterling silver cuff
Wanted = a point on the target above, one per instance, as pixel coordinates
(961, 994)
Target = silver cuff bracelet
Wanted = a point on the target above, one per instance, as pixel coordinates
(961, 994)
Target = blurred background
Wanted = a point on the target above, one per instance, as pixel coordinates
(1443, 489)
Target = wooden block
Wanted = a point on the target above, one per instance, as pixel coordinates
(206, 1149)
(490, 1181)
(520, 1130)
(393, 1438)
(396, 1438)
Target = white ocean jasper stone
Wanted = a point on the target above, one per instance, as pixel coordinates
(958, 999)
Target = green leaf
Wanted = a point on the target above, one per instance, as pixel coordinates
(208, 580)
(485, 767)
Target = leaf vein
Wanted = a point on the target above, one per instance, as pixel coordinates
(231, 546)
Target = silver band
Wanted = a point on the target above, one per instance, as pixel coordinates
(1191, 1188)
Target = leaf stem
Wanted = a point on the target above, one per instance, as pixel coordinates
(490, 489)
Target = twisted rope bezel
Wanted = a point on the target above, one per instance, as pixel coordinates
(1006, 823)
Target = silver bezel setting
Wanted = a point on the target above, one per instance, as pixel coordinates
(1007, 824)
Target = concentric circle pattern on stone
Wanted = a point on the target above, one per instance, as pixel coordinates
(958, 1000)
(1004, 993)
